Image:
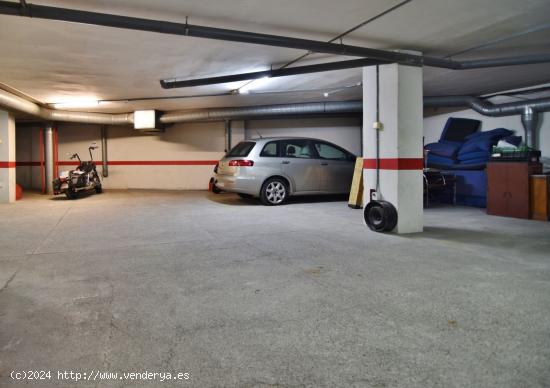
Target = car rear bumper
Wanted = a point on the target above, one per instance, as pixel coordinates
(238, 184)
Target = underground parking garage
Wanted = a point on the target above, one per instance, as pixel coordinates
(267, 194)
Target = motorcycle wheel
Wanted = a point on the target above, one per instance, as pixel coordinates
(98, 189)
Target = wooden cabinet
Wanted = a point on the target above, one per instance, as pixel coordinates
(540, 197)
(508, 188)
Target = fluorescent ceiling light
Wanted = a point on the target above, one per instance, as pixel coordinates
(76, 104)
(257, 83)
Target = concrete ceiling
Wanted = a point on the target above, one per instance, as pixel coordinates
(55, 61)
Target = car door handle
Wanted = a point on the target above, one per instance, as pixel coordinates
(286, 162)
(324, 164)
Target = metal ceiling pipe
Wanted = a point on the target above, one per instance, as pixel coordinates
(322, 67)
(487, 108)
(273, 73)
(249, 112)
(185, 29)
(502, 62)
(486, 62)
(19, 104)
(530, 121)
(529, 110)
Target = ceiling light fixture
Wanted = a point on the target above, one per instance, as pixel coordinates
(75, 104)
(257, 83)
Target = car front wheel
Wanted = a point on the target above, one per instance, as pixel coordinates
(274, 192)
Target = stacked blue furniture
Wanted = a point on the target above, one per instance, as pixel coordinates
(464, 151)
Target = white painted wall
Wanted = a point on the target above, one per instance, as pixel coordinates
(433, 126)
(345, 132)
(180, 142)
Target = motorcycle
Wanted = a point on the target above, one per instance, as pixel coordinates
(84, 178)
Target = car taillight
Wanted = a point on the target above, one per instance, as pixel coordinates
(241, 163)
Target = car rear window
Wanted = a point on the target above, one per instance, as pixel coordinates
(242, 149)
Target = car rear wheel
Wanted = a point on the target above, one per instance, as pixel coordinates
(274, 192)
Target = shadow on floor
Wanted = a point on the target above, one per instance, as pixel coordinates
(81, 195)
(482, 238)
(235, 200)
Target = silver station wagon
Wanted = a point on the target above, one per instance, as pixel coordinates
(275, 168)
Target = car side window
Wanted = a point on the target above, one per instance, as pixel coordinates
(327, 151)
(270, 149)
(299, 148)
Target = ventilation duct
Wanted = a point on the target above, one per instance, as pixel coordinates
(249, 112)
(14, 102)
(529, 110)
(487, 108)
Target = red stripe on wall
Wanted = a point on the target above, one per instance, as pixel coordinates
(395, 164)
(135, 163)
(161, 162)
(7, 164)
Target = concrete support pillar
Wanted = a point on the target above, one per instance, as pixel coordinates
(400, 155)
(7, 158)
(49, 158)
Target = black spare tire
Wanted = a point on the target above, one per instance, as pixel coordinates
(380, 216)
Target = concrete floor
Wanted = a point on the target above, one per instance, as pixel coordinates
(242, 295)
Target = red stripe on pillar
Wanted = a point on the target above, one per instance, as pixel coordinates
(395, 164)
(7, 164)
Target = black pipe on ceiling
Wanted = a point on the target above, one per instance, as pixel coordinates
(287, 71)
(355, 63)
(185, 29)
